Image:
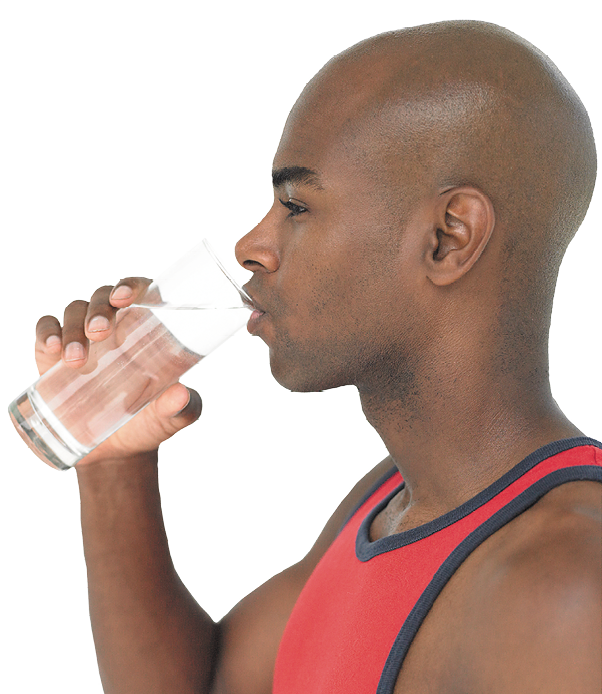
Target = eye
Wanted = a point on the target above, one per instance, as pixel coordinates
(293, 207)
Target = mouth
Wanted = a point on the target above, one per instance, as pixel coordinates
(257, 312)
(255, 321)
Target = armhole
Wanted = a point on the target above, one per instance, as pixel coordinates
(514, 508)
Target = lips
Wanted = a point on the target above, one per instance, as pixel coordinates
(255, 321)
(256, 315)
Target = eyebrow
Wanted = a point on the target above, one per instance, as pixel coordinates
(296, 174)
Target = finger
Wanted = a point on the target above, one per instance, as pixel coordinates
(75, 343)
(100, 317)
(127, 291)
(181, 405)
(49, 336)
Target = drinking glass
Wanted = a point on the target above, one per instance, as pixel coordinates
(187, 312)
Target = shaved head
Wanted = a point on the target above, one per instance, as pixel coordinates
(465, 103)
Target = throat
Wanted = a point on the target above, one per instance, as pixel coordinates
(396, 517)
(448, 455)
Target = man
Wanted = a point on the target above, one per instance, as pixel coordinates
(427, 184)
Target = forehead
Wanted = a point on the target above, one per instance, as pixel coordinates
(323, 139)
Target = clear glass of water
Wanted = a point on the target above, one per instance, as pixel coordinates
(185, 313)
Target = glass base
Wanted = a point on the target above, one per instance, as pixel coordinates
(43, 432)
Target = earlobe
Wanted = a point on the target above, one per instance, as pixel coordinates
(464, 223)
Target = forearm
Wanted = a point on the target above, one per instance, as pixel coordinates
(150, 634)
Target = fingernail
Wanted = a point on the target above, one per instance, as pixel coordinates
(53, 341)
(183, 408)
(121, 292)
(98, 324)
(74, 352)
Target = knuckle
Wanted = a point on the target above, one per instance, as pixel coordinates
(46, 326)
(45, 322)
(100, 300)
(135, 282)
(77, 305)
(101, 293)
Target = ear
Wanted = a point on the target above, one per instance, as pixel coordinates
(464, 223)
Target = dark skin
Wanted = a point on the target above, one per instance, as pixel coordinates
(405, 259)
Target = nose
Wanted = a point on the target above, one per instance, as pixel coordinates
(258, 250)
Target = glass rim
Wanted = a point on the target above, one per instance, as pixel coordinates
(246, 298)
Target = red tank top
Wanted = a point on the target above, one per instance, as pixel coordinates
(357, 615)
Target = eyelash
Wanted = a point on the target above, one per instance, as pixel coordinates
(294, 208)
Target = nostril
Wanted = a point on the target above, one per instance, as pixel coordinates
(257, 250)
(251, 265)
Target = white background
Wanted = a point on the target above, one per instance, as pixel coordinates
(129, 130)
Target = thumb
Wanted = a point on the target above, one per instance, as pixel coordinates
(180, 405)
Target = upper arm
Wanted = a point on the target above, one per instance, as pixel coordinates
(250, 633)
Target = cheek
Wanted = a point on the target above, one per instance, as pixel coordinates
(329, 295)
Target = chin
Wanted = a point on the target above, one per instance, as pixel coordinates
(299, 377)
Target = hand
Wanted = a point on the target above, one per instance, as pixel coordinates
(94, 321)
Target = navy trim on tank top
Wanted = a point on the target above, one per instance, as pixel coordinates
(373, 488)
(514, 508)
(365, 549)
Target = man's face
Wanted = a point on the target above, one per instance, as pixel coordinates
(332, 259)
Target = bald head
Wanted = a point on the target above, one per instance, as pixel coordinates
(465, 104)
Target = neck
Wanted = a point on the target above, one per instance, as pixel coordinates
(451, 442)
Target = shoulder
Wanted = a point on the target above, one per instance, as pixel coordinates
(251, 632)
(537, 597)
(349, 504)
